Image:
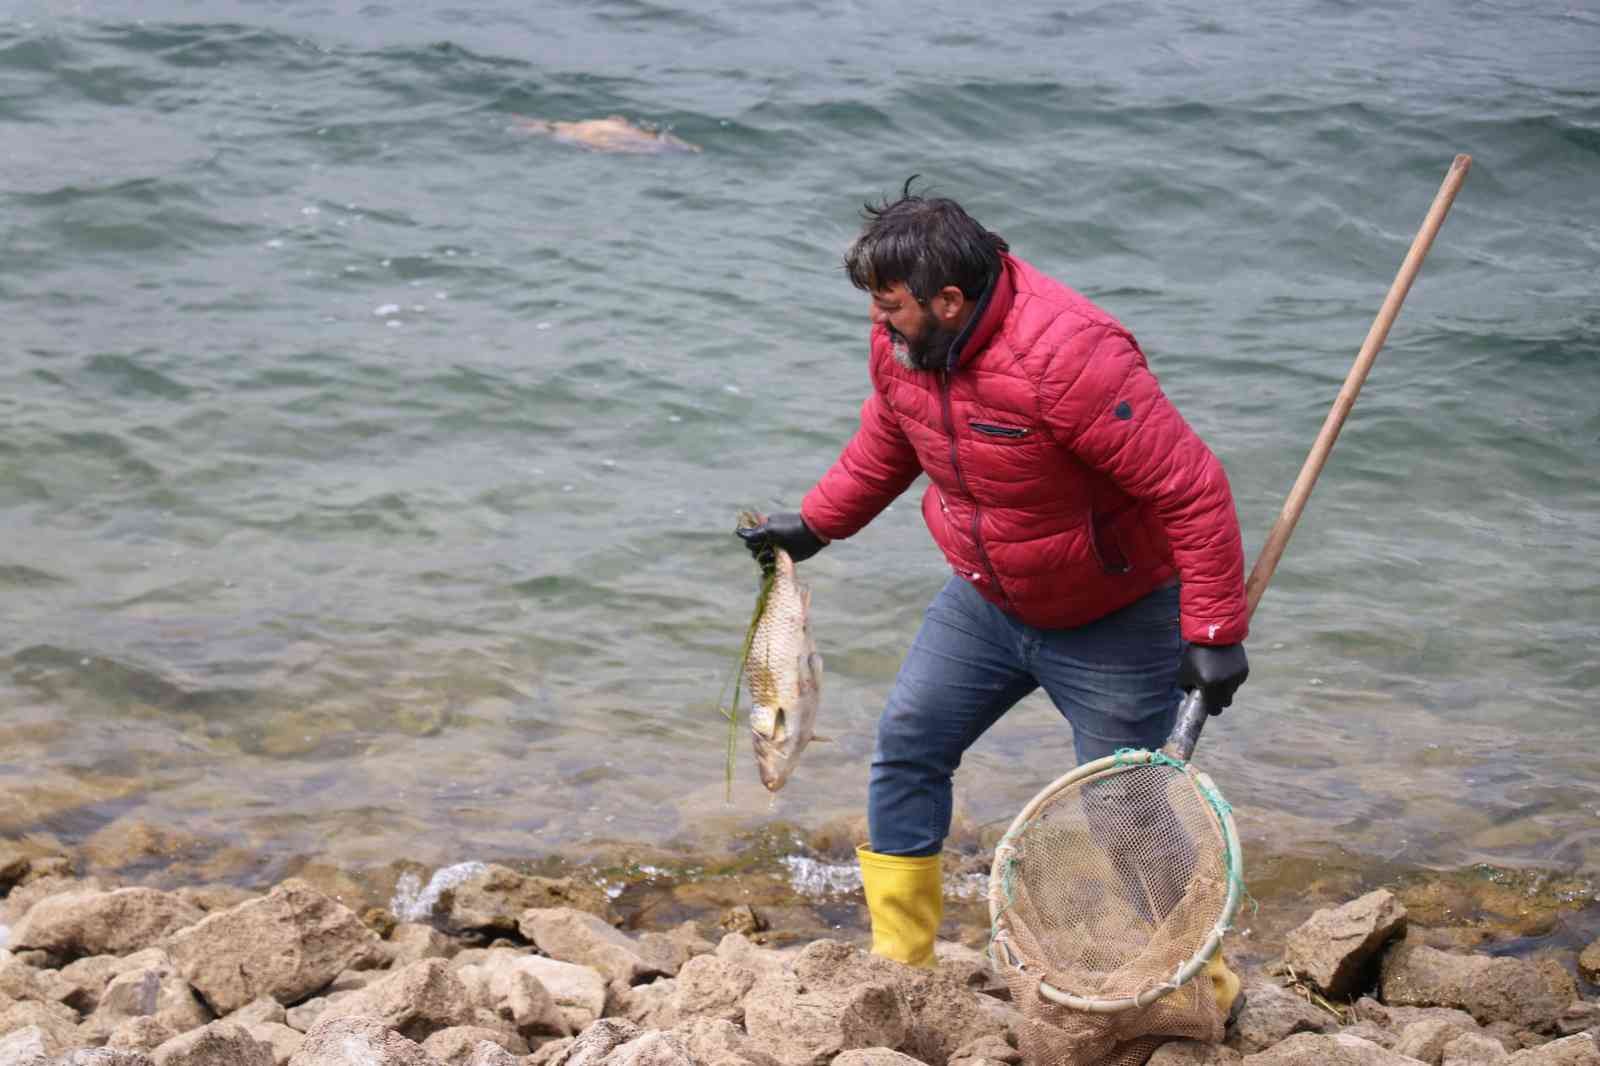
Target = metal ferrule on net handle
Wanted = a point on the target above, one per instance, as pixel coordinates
(1000, 947)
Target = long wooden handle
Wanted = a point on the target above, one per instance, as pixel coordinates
(1283, 528)
(1193, 711)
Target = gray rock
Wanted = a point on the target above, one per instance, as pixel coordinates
(154, 988)
(1589, 963)
(71, 925)
(578, 937)
(282, 1040)
(358, 1042)
(1271, 1014)
(1529, 994)
(808, 1028)
(655, 1048)
(140, 1034)
(412, 942)
(102, 1057)
(288, 945)
(649, 1006)
(1194, 1053)
(1321, 1049)
(57, 1023)
(1426, 1038)
(710, 987)
(259, 1011)
(1577, 1050)
(496, 899)
(217, 1044)
(875, 1056)
(30, 1045)
(1473, 1049)
(458, 1045)
(416, 1002)
(598, 1041)
(1337, 949)
(508, 983)
(81, 981)
(487, 1054)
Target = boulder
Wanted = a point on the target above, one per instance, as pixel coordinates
(20, 981)
(358, 1042)
(1337, 949)
(710, 987)
(217, 1044)
(144, 1033)
(1530, 994)
(282, 1040)
(654, 1048)
(1426, 1038)
(1194, 1053)
(875, 1056)
(715, 1042)
(1589, 963)
(71, 925)
(1321, 1049)
(259, 1011)
(508, 984)
(82, 981)
(102, 1057)
(736, 947)
(552, 1053)
(578, 992)
(648, 1006)
(1577, 1050)
(416, 1002)
(22, 898)
(990, 1048)
(1473, 1049)
(487, 1054)
(495, 899)
(808, 1028)
(211, 898)
(579, 937)
(1271, 1014)
(153, 987)
(29, 1045)
(14, 864)
(287, 945)
(58, 1023)
(457, 1045)
(412, 942)
(598, 1041)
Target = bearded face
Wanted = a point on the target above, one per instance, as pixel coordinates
(924, 345)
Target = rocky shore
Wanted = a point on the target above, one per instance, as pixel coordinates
(493, 966)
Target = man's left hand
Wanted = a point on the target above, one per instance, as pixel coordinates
(1217, 670)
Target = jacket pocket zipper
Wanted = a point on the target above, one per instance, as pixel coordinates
(989, 429)
(1107, 552)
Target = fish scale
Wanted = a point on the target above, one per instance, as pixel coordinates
(783, 674)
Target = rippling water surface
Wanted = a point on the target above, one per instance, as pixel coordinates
(370, 465)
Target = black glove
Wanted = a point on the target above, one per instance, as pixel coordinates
(1216, 669)
(787, 531)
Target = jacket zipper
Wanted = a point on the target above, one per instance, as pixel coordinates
(961, 480)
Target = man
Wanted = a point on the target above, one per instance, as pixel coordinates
(1092, 534)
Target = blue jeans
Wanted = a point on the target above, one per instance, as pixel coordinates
(1114, 680)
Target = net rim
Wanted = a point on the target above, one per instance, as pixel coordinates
(1119, 762)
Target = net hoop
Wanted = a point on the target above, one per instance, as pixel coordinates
(1000, 949)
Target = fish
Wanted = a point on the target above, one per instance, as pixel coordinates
(610, 134)
(782, 672)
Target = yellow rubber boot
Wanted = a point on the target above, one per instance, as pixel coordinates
(905, 897)
(1224, 985)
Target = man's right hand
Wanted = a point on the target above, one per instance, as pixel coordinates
(787, 531)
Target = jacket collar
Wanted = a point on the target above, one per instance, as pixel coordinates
(993, 306)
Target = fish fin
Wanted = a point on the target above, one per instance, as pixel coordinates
(805, 598)
(816, 668)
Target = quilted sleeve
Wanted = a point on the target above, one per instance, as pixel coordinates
(876, 465)
(1105, 405)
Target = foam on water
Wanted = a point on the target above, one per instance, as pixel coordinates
(414, 902)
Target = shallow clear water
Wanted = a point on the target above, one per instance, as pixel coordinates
(370, 465)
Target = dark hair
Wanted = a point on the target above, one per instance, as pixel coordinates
(925, 242)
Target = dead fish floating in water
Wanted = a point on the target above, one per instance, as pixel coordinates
(783, 672)
(610, 134)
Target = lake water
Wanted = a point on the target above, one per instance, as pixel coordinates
(370, 465)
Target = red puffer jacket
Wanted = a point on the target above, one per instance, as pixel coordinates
(1064, 484)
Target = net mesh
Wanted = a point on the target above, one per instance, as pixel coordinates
(1113, 883)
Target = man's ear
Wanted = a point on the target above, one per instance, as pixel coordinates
(948, 304)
